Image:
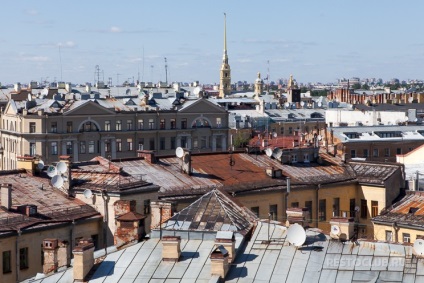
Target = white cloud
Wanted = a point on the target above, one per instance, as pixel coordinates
(32, 12)
(115, 29)
(67, 44)
(34, 58)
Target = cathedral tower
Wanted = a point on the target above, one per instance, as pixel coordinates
(225, 73)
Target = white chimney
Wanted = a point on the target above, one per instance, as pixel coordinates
(6, 195)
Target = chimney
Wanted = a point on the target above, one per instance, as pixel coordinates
(343, 228)
(219, 262)
(124, 206)
(83, 259)
(187, 162)
(67, 185)
(161, 212)
(298, 215)
(6, 196)
(50, 249)
(171, 248)
(228, 241)
(27, 163)
(63, 254)
(148, 155)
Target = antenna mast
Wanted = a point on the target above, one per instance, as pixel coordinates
(166, 72)
(267, 77)
(60, 61)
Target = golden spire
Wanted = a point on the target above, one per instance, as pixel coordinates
(225, 56)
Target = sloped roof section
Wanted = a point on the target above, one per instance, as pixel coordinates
(373, 173)
(214, 211)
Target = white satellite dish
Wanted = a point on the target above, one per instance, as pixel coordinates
(57, 181)
(40, 164)
(275, 134)
(302, 103)
(88, 193)
(410, 99)
(296, 235)
(29, 96)
(276, 153)
(357, 209)
(320, 104)
(51, 171)
(286, 104)
(179, 152)
(319, 137)
(419, 246)
(268, 152)
(61, 167)
(335, 230)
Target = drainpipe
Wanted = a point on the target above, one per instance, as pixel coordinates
(396, 229)
(105, 219)
(317, 205)
(18, 265)
(286, 197)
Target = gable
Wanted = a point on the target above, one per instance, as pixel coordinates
(11, 108)
(203, 106)
(88, 108)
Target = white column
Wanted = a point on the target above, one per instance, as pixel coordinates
(75, 146)
(213, 143)
(113, 148)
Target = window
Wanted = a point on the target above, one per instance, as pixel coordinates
(151, 124)
(118, 125)
(322, 216)
(69, 127)
(173, 123)
(184, 123)
(406, 237)
(173, 143)
(53, 146)
(140, 124)
(294, 158)
(195, 143)
(162, 124)
(32, 127)
(352, 207)
(375, 152)
(129, 125)
(53, 127)
(32, 148)
(282, 130)
(89, 127)
(69, 147)
(218, 122)
(147, 206)
(352, 153)
(290, 130)
(162, 143)
(387, 152)
(7, 262)
(295, 204)
(107, 146)
(336, 207)
(107, 126)
(389, 236)
(308, 205)
(129, 144)
(398, 150)
(23, 258)
(365, 153)
(364, 208)
(91, 147)
(152, 144)
(118, 145)
(374, 208)
(203, 142)
(141, 144)
(255, 210)
(184, 142)
(273, 211)
(82, 147)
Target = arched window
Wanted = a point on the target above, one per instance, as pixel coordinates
(200, 123)
(88, 126)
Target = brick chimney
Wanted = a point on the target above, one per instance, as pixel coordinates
(50, 249)
(124, 206)
(171, 248)
(6, 196)
(67, 185)
(298, 215)
(161, 211)
(219, 262)
(228, 241)
(83, 259)
(148, 155)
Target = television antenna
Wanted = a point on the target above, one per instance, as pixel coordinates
(335, 230)
(61, 167)
(296, 235)
(57, 181)
(51, 171)
(88, 194)
(179, 152)
(40, 164)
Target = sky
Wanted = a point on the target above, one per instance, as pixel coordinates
(316, 41)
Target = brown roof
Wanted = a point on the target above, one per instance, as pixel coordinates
(131, 216)
(409, 211)
(373, 173)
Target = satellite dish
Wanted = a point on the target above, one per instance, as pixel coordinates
(335, 229)
(276, 153)
(88, 193)
(179, 152)
(419, 246)
(61, 167)
(268, 152)
(286, 104)
(29, 97)
(296, 235)
(410, 99)
(40, 164)
(302, 103)
(319, 137)
(357, 209)
(51, 171)
(320, 104)
(274, 134)
(57, 181)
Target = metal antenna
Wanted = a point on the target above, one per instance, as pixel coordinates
(166, 72)
(60, 61)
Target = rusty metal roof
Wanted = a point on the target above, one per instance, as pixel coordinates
(373, 173)
(52, 205)
(214, 211)
(408, 211)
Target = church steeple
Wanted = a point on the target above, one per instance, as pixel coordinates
(225, 73)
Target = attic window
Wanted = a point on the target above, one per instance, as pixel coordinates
(412, 210)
